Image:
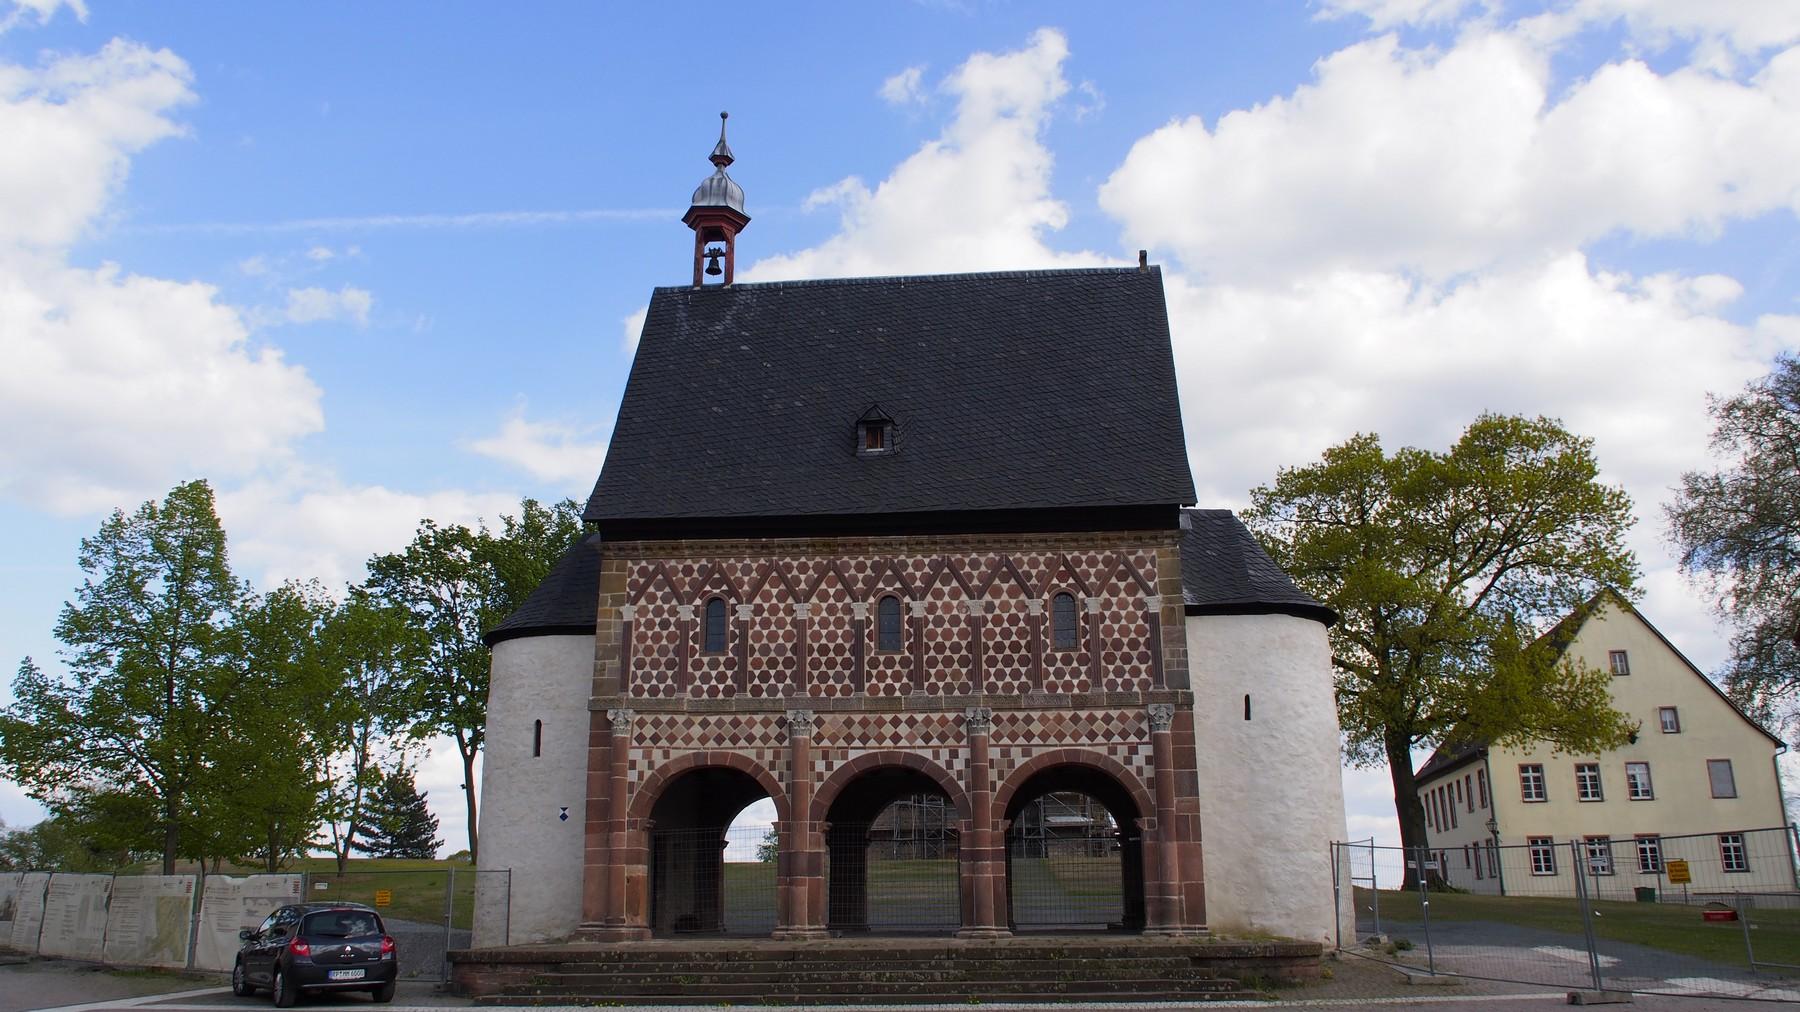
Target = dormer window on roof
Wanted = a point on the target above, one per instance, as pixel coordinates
(874, 432)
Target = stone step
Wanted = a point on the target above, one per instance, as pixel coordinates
(906, 950)
(881, 998)
(602, 981)
(1012, 968)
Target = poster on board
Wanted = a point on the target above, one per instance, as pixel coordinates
(227, 904)
(75, 916)
(28, 910)
(149, 920)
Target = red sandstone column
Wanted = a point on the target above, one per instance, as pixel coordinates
(596, 879)
(803, 881)
(628, 871)
(1163, 872)
(983, 863)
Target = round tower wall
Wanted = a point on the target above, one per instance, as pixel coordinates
(524, 795)
(1271, 788)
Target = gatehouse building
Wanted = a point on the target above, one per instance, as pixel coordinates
(911, 559)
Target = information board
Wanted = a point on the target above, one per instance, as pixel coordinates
(28, 910)
(75, 916)
(9, 903)
(227, 904)
(150, 920)
(1678, 872)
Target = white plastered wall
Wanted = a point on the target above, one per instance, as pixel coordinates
(1271, 788)
(547, 678)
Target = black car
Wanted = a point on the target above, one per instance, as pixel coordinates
(317, 946)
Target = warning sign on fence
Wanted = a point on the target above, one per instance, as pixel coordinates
(384, 897)
(1678, 872)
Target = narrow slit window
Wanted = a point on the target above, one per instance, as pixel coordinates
(887, 615)
(1062, 621)
(537, 738)
(1246, 706)
(715, 626)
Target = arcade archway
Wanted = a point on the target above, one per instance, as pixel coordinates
(707, 876)
(892, 837)
(1074, 852)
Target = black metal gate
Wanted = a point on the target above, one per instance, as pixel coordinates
(898, 874)
(1067, 865)
(712, 881)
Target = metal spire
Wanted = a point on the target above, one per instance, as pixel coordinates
(721, 153)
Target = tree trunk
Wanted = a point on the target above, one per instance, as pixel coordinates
(171, 835)
(468, 760)
(1408, 808)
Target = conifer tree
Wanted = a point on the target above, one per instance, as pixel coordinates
(396, 821)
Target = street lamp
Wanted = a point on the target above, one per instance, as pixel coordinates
(1493, 828)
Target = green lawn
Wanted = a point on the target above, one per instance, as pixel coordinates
(1670, 927)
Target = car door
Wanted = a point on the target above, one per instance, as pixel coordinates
(255, 952)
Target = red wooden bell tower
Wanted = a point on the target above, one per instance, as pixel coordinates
(716, 215)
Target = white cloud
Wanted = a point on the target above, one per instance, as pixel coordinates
(976, 198)
(117, 385)
(904, 88)
(319, 253)
(1385, 14)
(1440, 162)
(311, 305)
(632, 327)
(303, 523)
(547, 451)
(42, 10)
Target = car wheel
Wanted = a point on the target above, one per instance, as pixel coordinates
(282, 990)
(240, 984)
(385, 993)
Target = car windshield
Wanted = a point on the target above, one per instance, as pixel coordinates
(341, 924)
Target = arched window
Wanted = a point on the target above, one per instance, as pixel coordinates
(1062, 622)
(887, 628)
(715, 626)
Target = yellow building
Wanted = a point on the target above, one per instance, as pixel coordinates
(1696, 795)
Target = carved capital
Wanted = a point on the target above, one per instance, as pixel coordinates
(859, 610)
(801, 723)
(916, 608)
(746, 612)
(620, 720)
(1153, 602)
(803, 611)
(685, 612)
(1092, 604)
(978, 720)
(1161, 716)
(1034, 607)
(976, 607)
(628, 612)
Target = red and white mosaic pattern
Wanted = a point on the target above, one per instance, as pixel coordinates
(971, 622)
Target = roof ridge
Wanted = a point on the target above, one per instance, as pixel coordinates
(1042, 272)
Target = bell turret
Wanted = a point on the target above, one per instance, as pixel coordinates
(716, 214)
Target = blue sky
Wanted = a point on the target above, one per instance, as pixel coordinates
(358, 266)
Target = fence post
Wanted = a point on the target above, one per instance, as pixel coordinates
(449, 911)
(1375, 884)
(1744, 905)
(1337, 900)
(1587, 911)
(508, 921)
(1425, 912)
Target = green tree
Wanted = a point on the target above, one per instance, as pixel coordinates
(147, 647)
(456, 584)
(1738, 529)
(396, 820)
(769, 847)
(97, 831)
(371, 649)
(1441, 566)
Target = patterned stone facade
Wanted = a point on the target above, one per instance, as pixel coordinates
(977, 698)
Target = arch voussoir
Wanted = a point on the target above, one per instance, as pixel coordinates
(847, 773)
(644, 797)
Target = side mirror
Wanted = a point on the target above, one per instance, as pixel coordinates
(245, 934)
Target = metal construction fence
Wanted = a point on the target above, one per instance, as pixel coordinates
(192, 921)
(1594, 913)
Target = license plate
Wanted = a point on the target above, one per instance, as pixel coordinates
(345, 975)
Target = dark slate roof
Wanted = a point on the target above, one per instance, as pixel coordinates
(1020, 390)
(1449, 756)
(1225, 572)
(565, 604)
